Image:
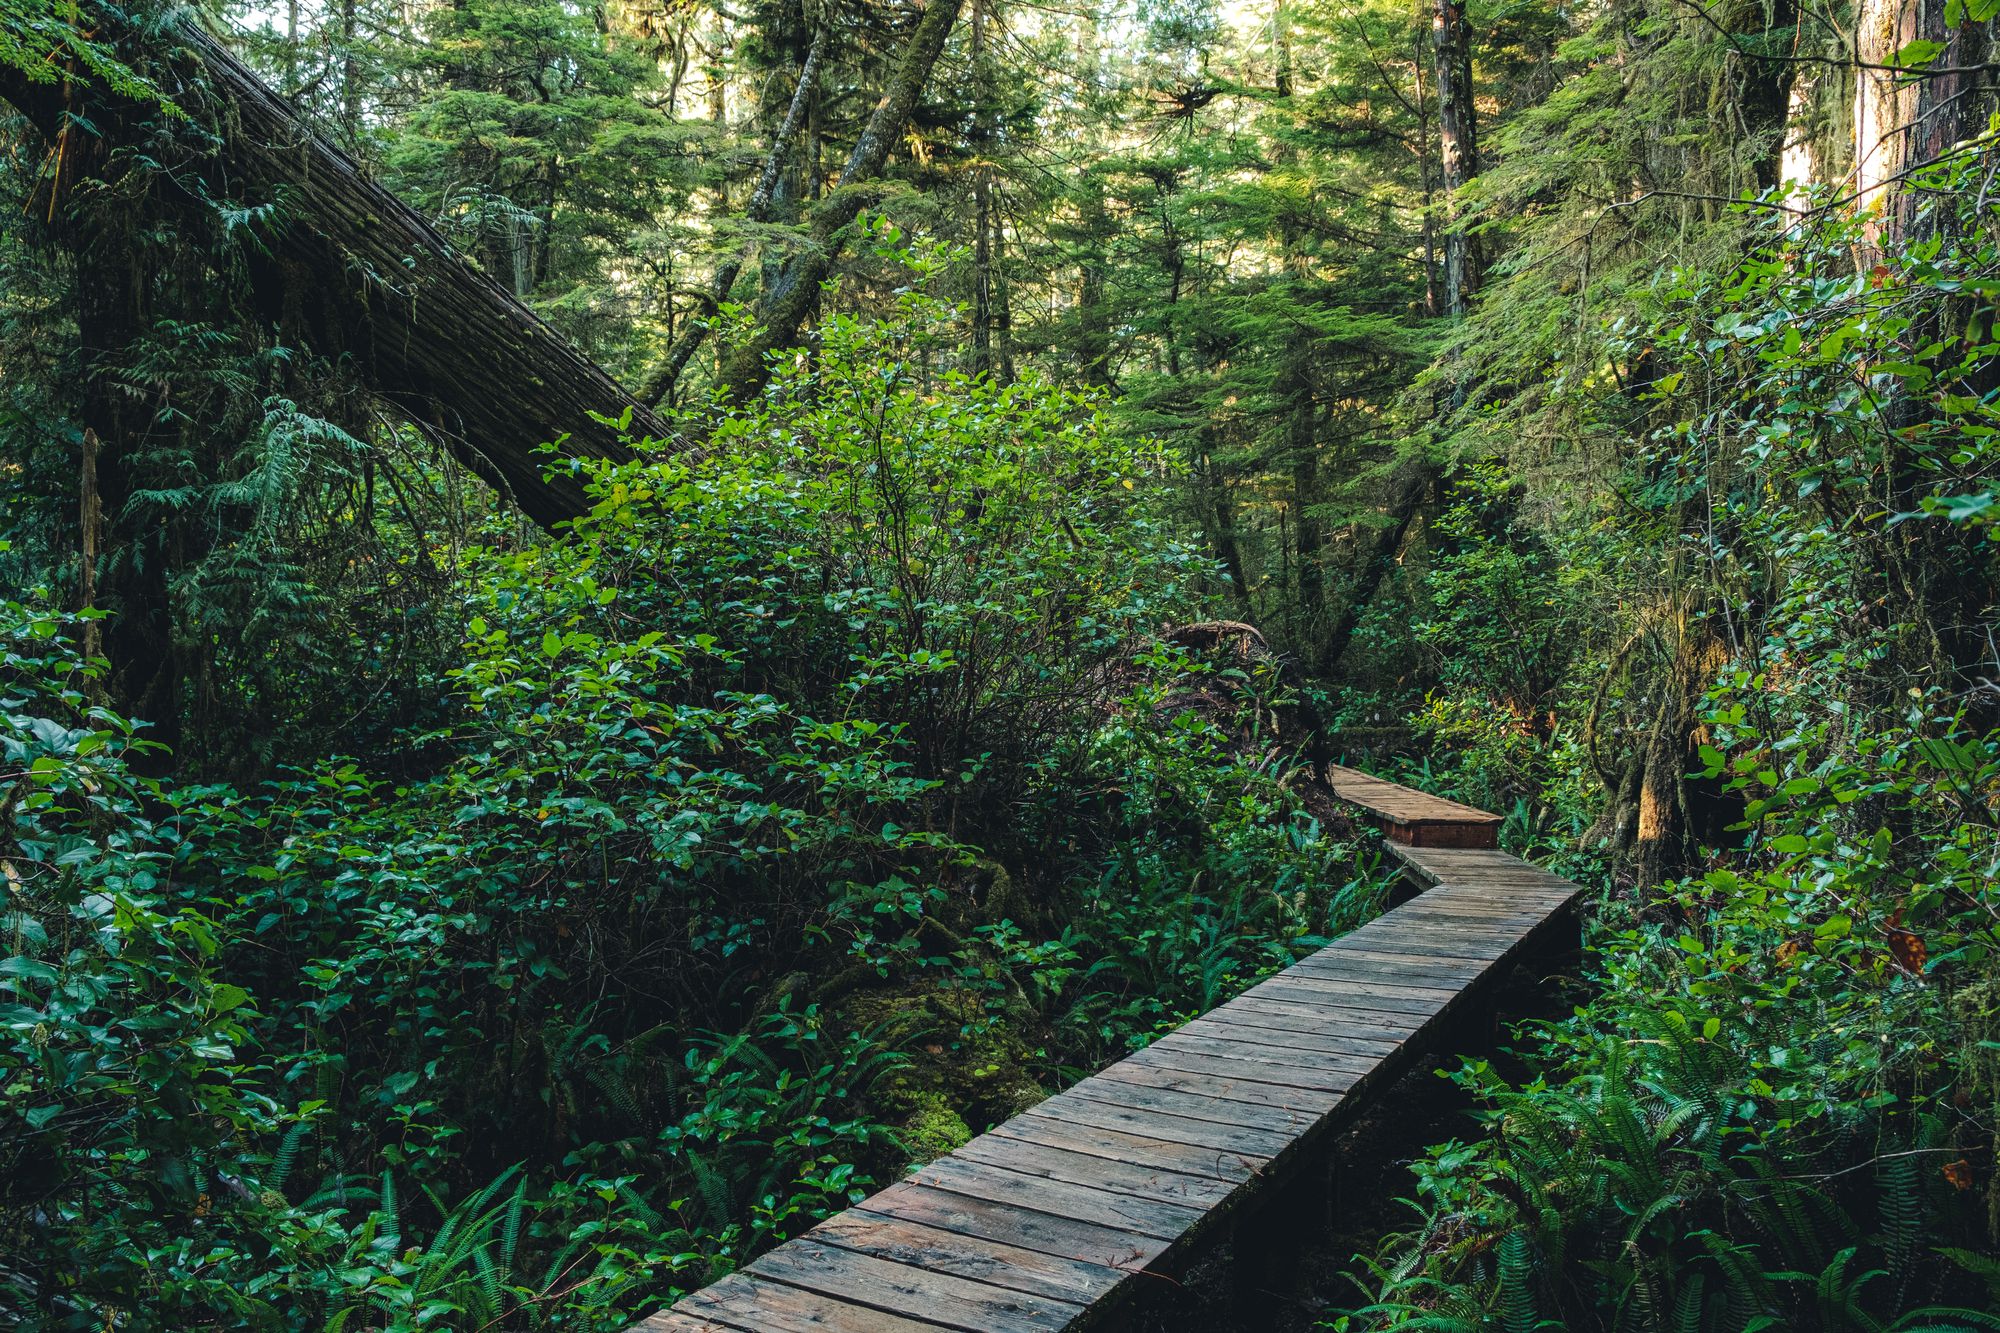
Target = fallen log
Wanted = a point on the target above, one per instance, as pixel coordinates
(348, 269)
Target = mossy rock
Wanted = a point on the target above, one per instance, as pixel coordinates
(933, 1129)
(956, 1083)
(982, 892)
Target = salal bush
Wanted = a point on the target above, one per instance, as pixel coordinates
(130, 1093)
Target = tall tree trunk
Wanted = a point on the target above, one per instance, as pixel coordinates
(1903, 119)
(373, 284)
(985, 141)
(1458, 148)
(717, 95)
(350, 72)
(1427, 175)
(795, 296)
(1003, 310)
(660, 385)
(121, 428)
(1295, 382)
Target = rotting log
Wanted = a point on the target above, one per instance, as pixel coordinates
(351, 271)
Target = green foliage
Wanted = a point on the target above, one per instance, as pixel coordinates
(49, 40)
(534, 928)
(540, 1020)
(1737, 1134)
(540, 155)
(1777, 1111)
(130, 1095)
(1215, 874)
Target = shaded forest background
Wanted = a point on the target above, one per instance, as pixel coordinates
(455, 882)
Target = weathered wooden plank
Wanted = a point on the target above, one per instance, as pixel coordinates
(1079, 1203)
(1307, 1070)
(1321, 1039)
(1011, 1224)
(1452, 942)
(1339, 1008)
(1384, 997)
(1531, 887)
(1234, 1044)
(1263, 1011)
(1417, 992)
(1233, 1166)
(1463, 904)
(753, 1306)
(1445, 949)
(1290, 1121)
(1455, 866)
(1413, 817)
(1433, 938)
(1003, 1265)
(1313, 1092)
(1439, 973)
(911, 1292)
(1120, 1114)
(1116, 1177)
(1379, 794)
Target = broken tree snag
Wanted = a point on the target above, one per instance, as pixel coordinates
(353, 273)
(793, 298)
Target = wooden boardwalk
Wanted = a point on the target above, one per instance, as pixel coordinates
(1056, 1217)
(1414, 818)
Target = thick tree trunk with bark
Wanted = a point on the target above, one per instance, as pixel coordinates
(1458, 143)
(1296, 388)
(1906, 118)
(354, 274)
(113, 310)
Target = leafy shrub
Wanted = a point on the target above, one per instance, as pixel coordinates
(1780, 1110)
(538, 1016)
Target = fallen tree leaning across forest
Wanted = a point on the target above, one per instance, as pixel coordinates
(366, 277)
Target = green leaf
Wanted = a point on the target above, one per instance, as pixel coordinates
(226, 997)
(1915, 55)
(27, 969)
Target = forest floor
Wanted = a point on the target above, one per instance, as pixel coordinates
(1373, 1156)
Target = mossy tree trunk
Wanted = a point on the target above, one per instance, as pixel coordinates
(336, 261)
